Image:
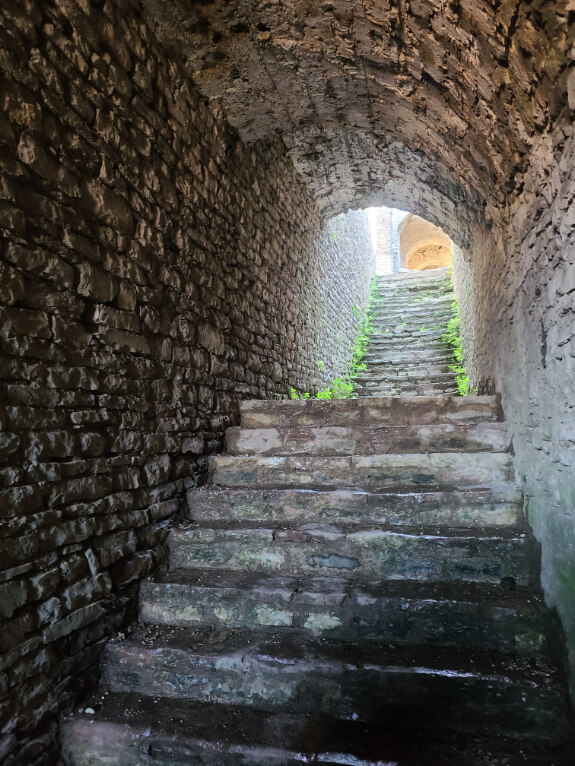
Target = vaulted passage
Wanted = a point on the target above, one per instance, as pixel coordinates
(183, 189)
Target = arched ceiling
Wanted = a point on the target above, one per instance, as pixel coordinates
(374, 99)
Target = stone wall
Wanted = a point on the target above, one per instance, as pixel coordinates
(523, 327)
(152, 272)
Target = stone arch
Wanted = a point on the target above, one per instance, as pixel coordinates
(423, 245)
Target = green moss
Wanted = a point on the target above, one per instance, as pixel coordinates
(452, 338)
(344, 387)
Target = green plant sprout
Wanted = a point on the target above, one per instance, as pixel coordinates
(344, 387)
(451, 337)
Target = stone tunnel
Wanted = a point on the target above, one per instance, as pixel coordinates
(175, 184)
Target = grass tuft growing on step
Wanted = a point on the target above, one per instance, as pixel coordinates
(452, 338)
(344, 387)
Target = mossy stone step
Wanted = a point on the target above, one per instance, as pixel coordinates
(417, 471)
(400, 613)
(258, 413)
(458, 690)
(348, 440)
(498, 505)
(134, 730)
(357, 551)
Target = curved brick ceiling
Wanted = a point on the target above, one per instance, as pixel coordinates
(382, 100)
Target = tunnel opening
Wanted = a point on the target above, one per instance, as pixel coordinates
(402, 240)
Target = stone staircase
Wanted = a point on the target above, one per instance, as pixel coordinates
(406, 355)
(355, 586)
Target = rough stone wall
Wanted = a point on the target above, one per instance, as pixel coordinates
(152, 272)
(330, 318)
(523, 324)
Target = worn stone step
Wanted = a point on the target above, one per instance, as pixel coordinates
(459, 690)
(136, 730)
(420, 361)
(398, 411)
(431, 319)
(347, 440)
(400, 375)
(420, 358)
(425, 311)
(433, 470)
(414, 300)
(388, 383)
(411, 389)
(368, 393)
(410, 372)
(500, 505)
(399, 344)
(401, 613)
(395, 340)
(427, 555)
(385, 311)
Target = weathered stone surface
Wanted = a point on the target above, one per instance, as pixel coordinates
(396, 613)
(362, 551)
(373, 472)
(166, 664)
(501, 506)
(370, 412)
(233, 739)
(365, 441)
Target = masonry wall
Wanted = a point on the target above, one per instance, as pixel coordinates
(152, 272)
(523, 326)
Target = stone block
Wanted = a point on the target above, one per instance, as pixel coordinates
(211, 339)
(12, 596)
(11, 284)
(95, 283)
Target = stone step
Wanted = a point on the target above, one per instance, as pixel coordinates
(405, 341)
(301, 674)
(423, 296)
(400, 613)
(406, 371)
(419, 358)
(426, 555)
(500, 505)
(386, 310)
(135, 730)
(398, 411)
(446, 390)
(408, 388)
(393, 315)
(414, 286)
(388, 381)
(359, 440)
(408, 391)
(413, 299)
(398, 344)
(434, 470)
(400, 375)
